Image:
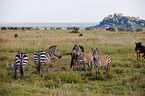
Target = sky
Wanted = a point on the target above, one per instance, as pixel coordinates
(67, 11)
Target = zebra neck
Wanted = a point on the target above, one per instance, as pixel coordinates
(50, 52)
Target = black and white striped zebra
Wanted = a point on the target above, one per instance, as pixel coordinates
(73, 56)
(40, 59)
(103, 60)
(43, 58)
(84, 58)
(21, 60)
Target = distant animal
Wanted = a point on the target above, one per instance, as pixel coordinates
(99, 61)
(80, 35)
(21, 60)
(73, 56)
(139, 29)
(110, 29)
(46, 57)
(75, 29)
(84, 58)
(4, 28)
(16, 35)
(140, 49)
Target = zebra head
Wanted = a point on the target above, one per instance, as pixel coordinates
(52, 50)
(95, 57)
(57, 53)
(94, 52)
(77, 51)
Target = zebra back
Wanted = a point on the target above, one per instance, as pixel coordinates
(21, 59)
(40, 56)
(103, 60)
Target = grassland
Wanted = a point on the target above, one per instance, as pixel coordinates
(126, 77)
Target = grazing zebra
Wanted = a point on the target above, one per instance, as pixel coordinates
(99, 61)
(73, 56)
(84, 58)
(43, 58)
(21, 60)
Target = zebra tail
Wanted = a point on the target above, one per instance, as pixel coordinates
(38, 68)
(21, 71)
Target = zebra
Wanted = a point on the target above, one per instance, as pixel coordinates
(42, 58)
(99, 61)
(84, 58)
(73, 56)
(21, 60)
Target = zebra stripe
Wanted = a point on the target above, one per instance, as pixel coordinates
(108, 58)
(42, 56)
(24, 58)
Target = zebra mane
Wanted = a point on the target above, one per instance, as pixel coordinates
(50, 47)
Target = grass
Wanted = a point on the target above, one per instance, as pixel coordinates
(126, 77)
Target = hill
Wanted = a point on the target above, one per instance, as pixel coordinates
(120, 21)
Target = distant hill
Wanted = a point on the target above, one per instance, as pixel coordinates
(120, 21)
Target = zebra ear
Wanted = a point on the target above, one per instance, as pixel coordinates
(96, 49)
(92, 49)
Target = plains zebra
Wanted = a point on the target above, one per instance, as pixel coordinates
(73, 56)
(43, 58)
(40, 59)
(99, 61)
(84, 58)
(21, 60)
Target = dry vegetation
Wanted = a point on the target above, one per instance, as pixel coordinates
(126, 77)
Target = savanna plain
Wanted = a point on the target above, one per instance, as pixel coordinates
(126, 76)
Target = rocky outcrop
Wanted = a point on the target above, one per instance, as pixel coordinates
(120, 21)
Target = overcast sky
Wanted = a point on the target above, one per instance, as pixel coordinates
(64, 11)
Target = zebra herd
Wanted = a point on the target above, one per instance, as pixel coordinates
(42, 58)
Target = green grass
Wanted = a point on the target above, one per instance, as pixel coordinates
(126, 77)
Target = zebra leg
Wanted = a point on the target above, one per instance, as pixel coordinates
(47, 67)
(80, 66)
(99, 72)
(90, 66)
(96, 73)
(71, 64)
(15, 73)
(85, 69)
(106, 67)
(139, 55)
(41, 70)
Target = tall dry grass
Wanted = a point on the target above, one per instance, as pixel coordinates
(126, 75)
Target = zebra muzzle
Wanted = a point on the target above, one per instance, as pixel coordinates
(60, 56)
